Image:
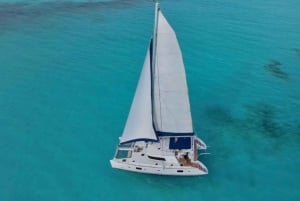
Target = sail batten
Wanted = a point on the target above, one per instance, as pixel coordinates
(171, 108)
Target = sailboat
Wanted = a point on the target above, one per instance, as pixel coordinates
(158, 137)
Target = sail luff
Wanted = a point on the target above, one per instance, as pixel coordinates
(153, 55)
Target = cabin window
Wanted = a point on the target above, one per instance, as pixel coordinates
(123, 154)
(180, 143)
(126, 145)
(157, 158)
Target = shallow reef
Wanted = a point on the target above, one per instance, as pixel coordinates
(24, 11)
(274, 67)
(259, 118)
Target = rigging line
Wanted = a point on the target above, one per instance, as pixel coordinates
(159, 101)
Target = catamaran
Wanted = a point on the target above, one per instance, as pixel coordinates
(158, 137)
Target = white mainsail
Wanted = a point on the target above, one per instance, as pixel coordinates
(139, 122)
(171, 103)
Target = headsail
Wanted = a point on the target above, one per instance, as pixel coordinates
(139, 122)
(171, 112)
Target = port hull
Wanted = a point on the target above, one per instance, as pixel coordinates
(158, 170)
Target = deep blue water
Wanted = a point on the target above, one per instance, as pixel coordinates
(68, 71)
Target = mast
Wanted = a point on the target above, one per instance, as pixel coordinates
(154, 42)
(153, 58)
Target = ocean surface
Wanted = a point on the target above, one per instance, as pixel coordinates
(68, 72)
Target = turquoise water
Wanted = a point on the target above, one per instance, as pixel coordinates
(68, 71)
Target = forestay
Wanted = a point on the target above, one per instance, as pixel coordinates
(171, 103)
(139, 121)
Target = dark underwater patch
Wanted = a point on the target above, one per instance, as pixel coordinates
(259, 119)
(274, 67)
(262, 118)
(297, 52)
(26, 11)
(218, 114)
(259, 125)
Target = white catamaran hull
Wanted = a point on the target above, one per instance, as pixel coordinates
(157, 158)
(159, 170)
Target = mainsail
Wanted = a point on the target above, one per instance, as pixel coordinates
(171, 112)
(139, 122)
